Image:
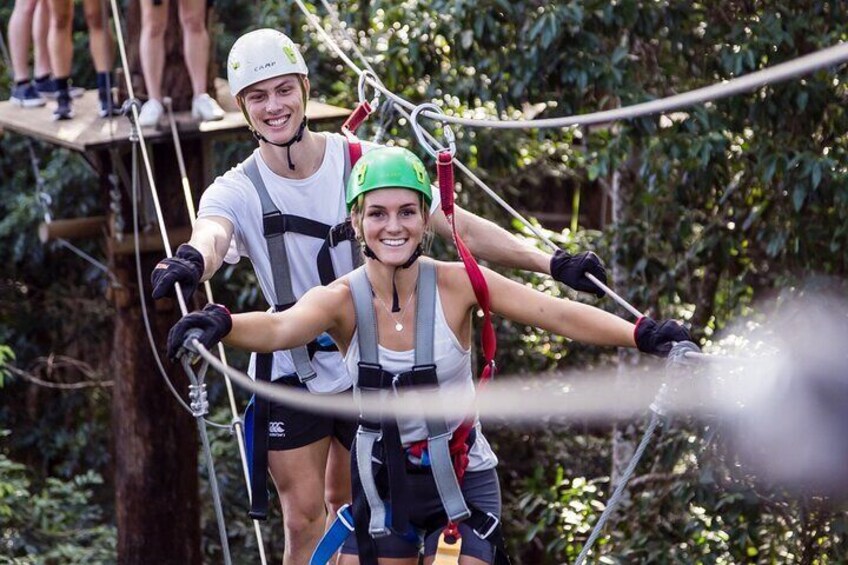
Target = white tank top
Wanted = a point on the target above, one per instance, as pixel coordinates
(453, 367)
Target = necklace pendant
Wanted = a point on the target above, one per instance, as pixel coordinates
(398, 327)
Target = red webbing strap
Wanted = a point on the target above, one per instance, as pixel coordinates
(354, 148)
(359, 115)
(478, 281)
(349, 127)
(458, 444)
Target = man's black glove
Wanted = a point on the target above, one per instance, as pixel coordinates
(657, 338)
(571, 270)
(214, 322)
(185, 267)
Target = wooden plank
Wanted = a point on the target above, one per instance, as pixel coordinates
(88, 132)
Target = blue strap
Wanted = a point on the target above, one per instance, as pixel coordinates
(248, 434)
(334, 538)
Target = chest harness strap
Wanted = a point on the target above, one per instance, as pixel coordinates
(275, 226)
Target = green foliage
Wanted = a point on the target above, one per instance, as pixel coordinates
(54, 523)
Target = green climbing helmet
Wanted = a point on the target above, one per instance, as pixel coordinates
(388, 167)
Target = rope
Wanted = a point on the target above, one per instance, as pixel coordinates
(803, 65)
(237, 423)
(615, 499)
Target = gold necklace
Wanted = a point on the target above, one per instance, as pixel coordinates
(398, 322)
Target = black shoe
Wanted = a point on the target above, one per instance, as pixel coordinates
(64, 110)
(108, 107)
(47, 88)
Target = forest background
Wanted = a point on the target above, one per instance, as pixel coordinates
(706, 214)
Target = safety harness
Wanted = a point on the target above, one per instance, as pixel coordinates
(379, 462)
(275, 226)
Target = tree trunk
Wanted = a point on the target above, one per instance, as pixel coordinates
(623, 189)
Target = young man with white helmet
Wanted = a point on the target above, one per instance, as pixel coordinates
(294, 183)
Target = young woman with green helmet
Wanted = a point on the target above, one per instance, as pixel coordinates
(389, 196)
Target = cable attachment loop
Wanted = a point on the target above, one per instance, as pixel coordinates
(363, 80)
(422, 136)
(127, 110)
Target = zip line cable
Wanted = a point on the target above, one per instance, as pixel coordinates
(803, 65)
(238, 425)
(197, 387)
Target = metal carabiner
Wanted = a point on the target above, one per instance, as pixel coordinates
(433, 149)
(363, 76)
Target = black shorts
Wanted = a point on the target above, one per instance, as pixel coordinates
(480, 488)
(290, 428)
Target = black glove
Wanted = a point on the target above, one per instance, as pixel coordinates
(185, 267)
(571, 270)
(214, 322)
(657, 338)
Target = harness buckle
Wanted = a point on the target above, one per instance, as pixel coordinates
(340, 232)
(447, 434)
(491, 523)
(344, 517)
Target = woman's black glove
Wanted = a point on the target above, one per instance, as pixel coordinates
(185, 267)
(657, 338)
(214, 322)
(571, 270)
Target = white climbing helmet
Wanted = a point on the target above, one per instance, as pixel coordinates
(262, 54)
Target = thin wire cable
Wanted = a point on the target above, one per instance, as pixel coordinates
(192, 216)
(619, 489)
(805, 64)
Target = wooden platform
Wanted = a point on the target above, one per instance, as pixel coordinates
(87, 131)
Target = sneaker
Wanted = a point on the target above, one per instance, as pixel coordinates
(48, 89)
(26, 96)
(205, 108)
(64, 110)
(150, 114)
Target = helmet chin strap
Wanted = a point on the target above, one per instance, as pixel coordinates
(295, 138)
(409, 262)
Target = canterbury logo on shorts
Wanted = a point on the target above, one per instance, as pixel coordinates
(277, 429)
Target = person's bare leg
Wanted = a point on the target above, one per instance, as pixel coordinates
(40, 31)
(154, 22)
(61, 47)
(59, 40)
(299, 477)
(337, 488)
(195, 42)
(100, 42)
(20, 37)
